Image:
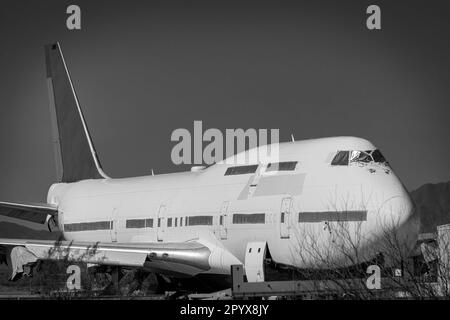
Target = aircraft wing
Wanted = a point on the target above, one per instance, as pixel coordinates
(37, 213)
(181, 258)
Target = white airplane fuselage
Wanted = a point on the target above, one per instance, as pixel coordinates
(287, 207)
(316, 204)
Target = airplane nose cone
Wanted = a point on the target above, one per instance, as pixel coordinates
(399, 219)
(395, 226)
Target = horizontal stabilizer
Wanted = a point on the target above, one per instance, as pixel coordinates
(37, 213)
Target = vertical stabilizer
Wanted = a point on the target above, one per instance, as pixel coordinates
(75, 154)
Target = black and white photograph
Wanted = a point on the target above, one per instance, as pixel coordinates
(242, 151)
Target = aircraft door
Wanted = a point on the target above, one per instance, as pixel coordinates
(223, 220)
(60, 220)
(285, 216)
(114, 226)
(160, 223)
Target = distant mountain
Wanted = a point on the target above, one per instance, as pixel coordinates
(433, 205)
(15, 231)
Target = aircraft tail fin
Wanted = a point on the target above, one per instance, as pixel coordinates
(75, 154)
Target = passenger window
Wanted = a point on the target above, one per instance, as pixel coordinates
(159, 222)
(282, 217)
(149, 223)
(181, 221)
(169, 222)
(176, 221)
(282, 166)
(221, 220)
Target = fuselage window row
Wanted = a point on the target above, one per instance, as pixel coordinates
(88, 226)
(253, 218)
(189, 221)
(351, 215)
(199, 221)
(139, 223)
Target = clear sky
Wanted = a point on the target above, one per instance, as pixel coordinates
(145, 68)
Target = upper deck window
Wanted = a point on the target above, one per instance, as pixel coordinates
(282, 166)
(241, 170)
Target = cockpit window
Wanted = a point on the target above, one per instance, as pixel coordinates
(340, 159)
(282, 166)
(360, 156)
(378, 157)
(343, 158)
